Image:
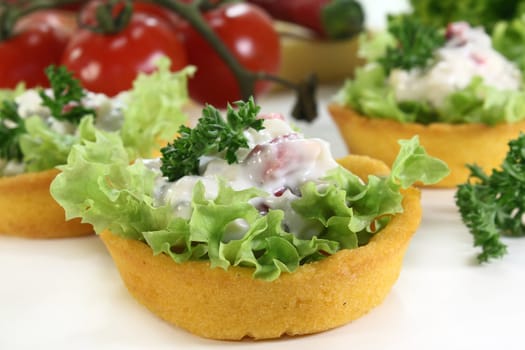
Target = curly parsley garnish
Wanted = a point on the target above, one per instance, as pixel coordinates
(65, 102)
(415, 47)
(212, 134)
(11, 127)
(492, 206)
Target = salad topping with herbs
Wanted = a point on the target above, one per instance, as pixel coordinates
(39, 126)
(240, 191)
(467, 53)
(423, 74)
(268, 155)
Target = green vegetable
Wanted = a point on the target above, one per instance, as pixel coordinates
(492, 206)
(39, 139)
(508, 37)
(480, 103)
(154, 108)
(106, 191)
(486, 13)
(369, 94)
(415, 44)
(65, 102)
(11, 128)
(212, 135)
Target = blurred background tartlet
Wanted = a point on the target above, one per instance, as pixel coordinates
(458, 86)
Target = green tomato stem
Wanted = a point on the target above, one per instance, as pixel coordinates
(107, 22)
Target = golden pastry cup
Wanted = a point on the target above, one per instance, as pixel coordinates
(28, 210)
(219, 304)
(455, 144)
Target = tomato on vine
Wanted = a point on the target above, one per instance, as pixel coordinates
(108, 61)
(248, 33)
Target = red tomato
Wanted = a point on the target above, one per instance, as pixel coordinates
(25, 55)
(109, 63)
(155, 10)
(249, 34)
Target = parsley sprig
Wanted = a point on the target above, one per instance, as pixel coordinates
(415, 47)
(493, 205)
(213, 134)
(12, 126)
(65, 102)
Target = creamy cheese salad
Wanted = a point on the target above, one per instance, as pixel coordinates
(278, 160)
(468, 53)
(109, 117)
(237, 191)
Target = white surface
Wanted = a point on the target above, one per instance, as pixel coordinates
(67, 294)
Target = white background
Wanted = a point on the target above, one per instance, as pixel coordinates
(67, 294)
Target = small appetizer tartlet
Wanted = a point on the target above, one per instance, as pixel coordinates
(245, 228)
(463, 98)
(38, 127)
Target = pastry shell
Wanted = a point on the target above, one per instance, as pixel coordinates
(455, 144)
(28, 210)
(231, 304)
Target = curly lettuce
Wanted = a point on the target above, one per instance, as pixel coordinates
(153, 111)
(370, 94)
(104, 190)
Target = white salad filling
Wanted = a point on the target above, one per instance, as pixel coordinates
(279, 160)
(108, 117)
(468, 53)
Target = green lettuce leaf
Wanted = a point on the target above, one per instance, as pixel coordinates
(370, 95)
(104, 190)
(479, 103)
(413, 164)
(265, 246)
(41, 139)
(508, 37)
(153, 110)
(358, 206)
